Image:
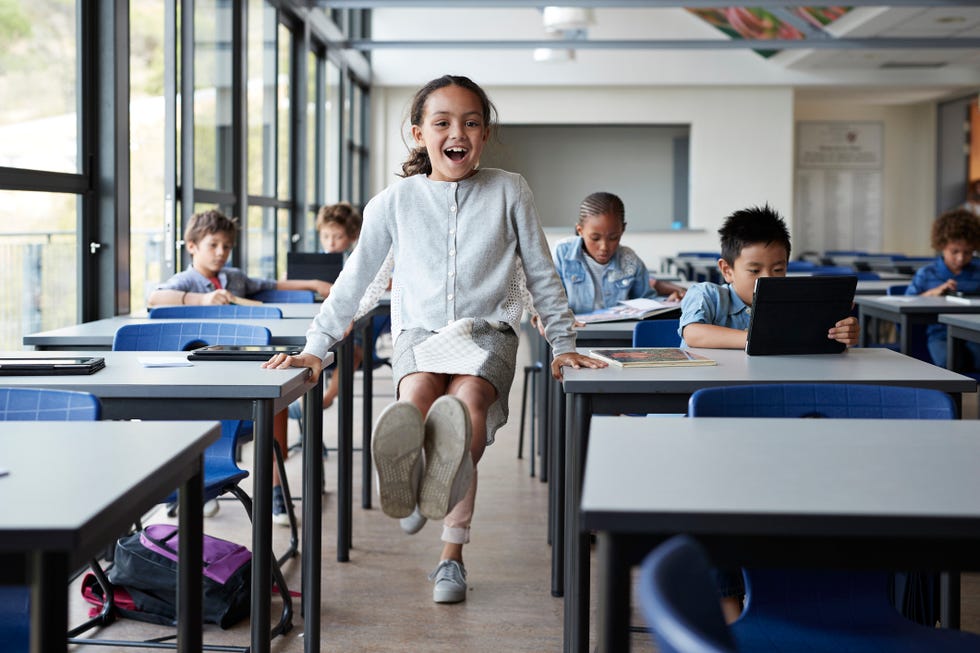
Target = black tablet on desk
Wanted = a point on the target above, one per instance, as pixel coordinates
(791, 315)
(50, 366)
(322, 266)
(241, 352)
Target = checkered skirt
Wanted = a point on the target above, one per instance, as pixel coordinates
(473, 347)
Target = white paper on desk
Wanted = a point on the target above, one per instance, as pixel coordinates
(165, 361)
(898, 299)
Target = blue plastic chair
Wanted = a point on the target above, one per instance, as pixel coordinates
(221, 471)
(766, 620)
(285, 296)
(28, 405)
(801, 266)
(679, 601)
(657, 333)
(219, 312)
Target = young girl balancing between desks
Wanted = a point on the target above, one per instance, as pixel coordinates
(462, 239)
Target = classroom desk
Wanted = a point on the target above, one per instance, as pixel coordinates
(80, 503)
(900, 498)
(222, 390)
(906, 312)
(959, 329)
(98, 334)
(613, 391)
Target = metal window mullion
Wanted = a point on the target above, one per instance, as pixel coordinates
(298, 130)
(239, 124)
(186, 111)
(170, 233)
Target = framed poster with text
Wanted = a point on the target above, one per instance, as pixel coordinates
(838, 186)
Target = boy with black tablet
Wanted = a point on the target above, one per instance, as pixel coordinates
(754, 244)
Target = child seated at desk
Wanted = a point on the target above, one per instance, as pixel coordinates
(210, 237)
(596, 271)
(955, 235)
(339, 226)
(754, 243)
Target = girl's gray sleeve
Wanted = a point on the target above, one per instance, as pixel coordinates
(339, 308)
(543, 283)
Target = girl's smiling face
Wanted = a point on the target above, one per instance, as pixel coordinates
(453, 132)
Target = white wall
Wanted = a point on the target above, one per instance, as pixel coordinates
(909, 174)
(741, 144)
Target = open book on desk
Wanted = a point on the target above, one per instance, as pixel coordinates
(630, 309)
(651, 357)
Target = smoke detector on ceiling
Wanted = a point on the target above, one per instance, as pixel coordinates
(566, 23)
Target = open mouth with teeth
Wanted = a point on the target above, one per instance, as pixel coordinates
(455, 153)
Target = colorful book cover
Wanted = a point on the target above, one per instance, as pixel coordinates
(651, 357)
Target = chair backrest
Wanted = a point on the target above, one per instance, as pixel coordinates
(897, 289)
(657, 333)
(285, 296)
(36, 404)
(679, 599)
(217, 312)
(833, 400)
(180, 336)
(832, 270)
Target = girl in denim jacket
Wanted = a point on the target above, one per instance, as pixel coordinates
(596, 271)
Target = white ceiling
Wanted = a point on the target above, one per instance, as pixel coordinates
(876, 76)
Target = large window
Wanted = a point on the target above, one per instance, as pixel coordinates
(76, 105)
(39, 138)
(146, 121)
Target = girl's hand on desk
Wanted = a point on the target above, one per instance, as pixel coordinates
(283, 361)
(572, 359)
(845, 331)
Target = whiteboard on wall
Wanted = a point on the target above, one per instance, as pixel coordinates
(645, 165)
(839, 186)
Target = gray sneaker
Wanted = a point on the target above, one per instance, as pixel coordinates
(413, 523)
(397, 448)
(448, 465)
(450, 578)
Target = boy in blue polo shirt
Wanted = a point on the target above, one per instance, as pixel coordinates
(955, 235)
(754, 244)
(209, 238)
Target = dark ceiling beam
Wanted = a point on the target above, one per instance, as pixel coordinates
(628, 4)
(675, 44)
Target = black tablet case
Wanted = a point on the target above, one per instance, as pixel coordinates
(44, 367)
(241, 352)
(305, 265)
(791, 315)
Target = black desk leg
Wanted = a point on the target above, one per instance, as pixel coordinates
(345, 446)
(576, 541)
(262, 525)
(614, 596)
(949, 590)
(312, 515)
(557, 487)
(543, 356)
(367, 412)
(862, 329)
(190, 524)
(49, 601)
(904, 338)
